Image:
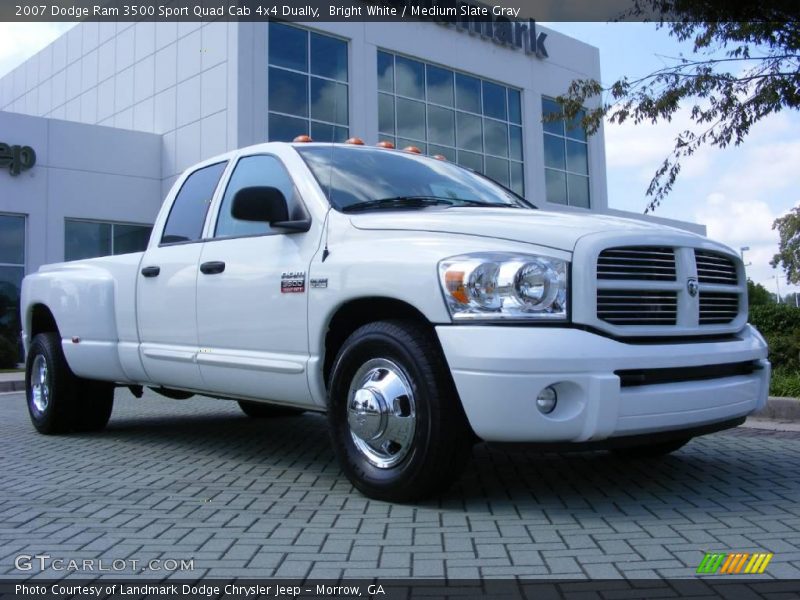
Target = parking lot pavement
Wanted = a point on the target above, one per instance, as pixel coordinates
(198, 480)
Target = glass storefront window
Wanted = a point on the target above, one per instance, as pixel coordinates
(308, 85)
(566, 158)
(469, 120)
(90, 239)
(12, 270)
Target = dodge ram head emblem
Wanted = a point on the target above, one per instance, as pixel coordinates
(692, 286)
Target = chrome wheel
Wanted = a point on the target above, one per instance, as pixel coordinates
(40, 385)
(381, 412)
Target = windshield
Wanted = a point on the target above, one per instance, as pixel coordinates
(358, 178)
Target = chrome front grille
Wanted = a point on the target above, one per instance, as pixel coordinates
(641, 263)
(717, 308)
(713, 267)
(637, 308)
(648, 290)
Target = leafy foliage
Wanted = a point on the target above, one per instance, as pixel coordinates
(780, 325)
(788, 256)
(758, 295)
(745, 67)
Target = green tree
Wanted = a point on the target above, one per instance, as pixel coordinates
(788, 256)
(745, 65)
(758, 295)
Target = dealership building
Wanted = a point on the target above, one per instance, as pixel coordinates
(95, 128)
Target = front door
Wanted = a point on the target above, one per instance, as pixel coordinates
(252, 295)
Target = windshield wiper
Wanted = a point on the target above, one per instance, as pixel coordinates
(398, 202)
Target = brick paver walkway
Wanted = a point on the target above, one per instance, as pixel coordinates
(197, 479)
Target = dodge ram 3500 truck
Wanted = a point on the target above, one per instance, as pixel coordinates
(419, 304)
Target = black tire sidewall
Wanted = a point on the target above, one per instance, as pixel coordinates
(60, 381)
(358, 349)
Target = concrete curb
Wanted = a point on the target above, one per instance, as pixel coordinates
(12, 385)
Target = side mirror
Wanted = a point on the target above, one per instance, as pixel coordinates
(265, 204)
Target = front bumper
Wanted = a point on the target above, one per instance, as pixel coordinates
(499, 371)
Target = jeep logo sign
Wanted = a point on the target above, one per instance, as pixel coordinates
(17, 158)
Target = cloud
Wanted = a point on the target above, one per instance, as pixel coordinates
(23, 40)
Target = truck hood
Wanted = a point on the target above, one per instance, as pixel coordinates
(560, 230)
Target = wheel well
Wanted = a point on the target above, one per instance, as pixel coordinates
(354, 314)
(42, 321)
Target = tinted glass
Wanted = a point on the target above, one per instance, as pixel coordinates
(577, 157)
(410, 75)
(495, 137)
(130, 238)
(385, 72)
(440, 85)
(550, 107)
(494, 100)
(363, 174)
(468, 93)
(86, 239)
(410, 119)
(578, 190)
(556, 183)
(575, 128)
(188, 212)
(285, 129)
(288, 92)
(10, 285)
(386, 113)
(12, 239)
(323, 132)
(497, 169)
(470, 134)
(471, 160)
(260, 170)
(515, 142)
(554, 152)
(517, 181)
(441, 126)
(328, 101)
(288, 46)
(514, 106)
(328, 57)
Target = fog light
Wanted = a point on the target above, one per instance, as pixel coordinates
(546, 400)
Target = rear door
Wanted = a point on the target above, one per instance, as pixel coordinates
(165, 300)
(252, 295)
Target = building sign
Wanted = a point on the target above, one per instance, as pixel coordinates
(504, 32)
(17, 158)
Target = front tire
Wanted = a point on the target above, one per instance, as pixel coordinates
(395, 419)
(58, 401)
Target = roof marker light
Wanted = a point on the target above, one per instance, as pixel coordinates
(386, 144)
(412, 149)
(439, 157)
(356, 141)
(302, 139)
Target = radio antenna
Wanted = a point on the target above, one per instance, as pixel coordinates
(325, 251)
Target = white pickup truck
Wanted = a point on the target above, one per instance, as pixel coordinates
(421, 305)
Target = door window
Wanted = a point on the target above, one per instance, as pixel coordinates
(188, 212)
(258, 170)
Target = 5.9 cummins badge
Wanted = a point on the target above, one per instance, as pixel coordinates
(293, 282)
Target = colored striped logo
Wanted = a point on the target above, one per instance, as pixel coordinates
(734, 562)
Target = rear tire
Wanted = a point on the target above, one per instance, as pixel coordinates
(58, 401)
(651, 450)
(396, 421)
(259, 410)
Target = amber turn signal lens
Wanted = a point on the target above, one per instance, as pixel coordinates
(454, 281)
(303, 139)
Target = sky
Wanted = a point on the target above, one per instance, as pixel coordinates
(736, 192)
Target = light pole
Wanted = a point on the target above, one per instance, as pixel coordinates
(742, 250)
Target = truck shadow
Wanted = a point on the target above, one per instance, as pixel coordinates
(716, 472)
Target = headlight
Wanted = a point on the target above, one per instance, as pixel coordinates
(499, 285)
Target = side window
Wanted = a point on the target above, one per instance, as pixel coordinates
(258, 170)
(188, 212)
